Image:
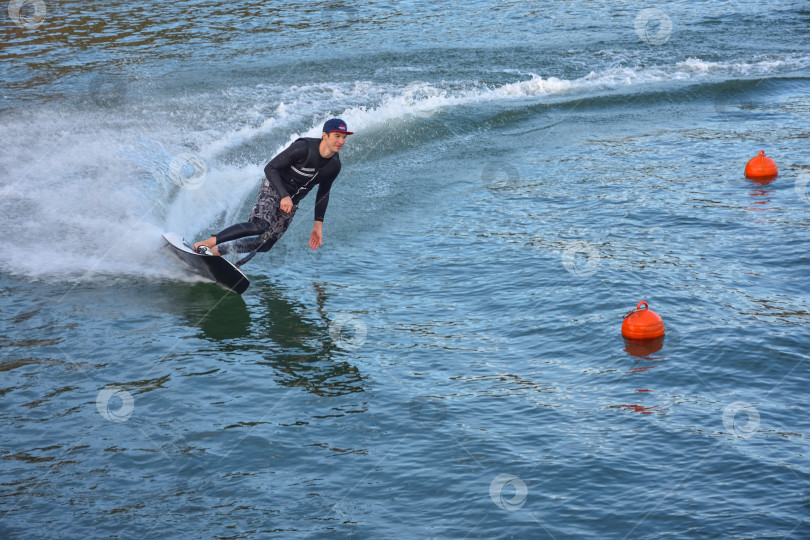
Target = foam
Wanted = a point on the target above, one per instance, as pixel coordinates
(90, 194)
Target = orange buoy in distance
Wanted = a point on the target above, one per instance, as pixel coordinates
(642, 323)
(761, 166)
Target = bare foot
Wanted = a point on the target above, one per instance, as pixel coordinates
(211, 244)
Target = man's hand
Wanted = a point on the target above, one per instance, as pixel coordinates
(286, 205)
(316, 238)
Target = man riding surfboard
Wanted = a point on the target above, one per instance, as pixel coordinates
(288, 178)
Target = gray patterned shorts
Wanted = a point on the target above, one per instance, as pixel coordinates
(265, 211)
(267, 205)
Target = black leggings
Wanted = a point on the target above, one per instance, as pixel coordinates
(255, 227)
(263, 231)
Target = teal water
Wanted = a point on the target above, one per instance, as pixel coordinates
(449, 364)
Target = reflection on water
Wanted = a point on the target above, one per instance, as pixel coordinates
(643, 347)
(307, 357)
(761, 195)
(643, 410)
(292, 337)
(220, 314)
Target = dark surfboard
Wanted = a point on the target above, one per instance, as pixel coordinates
(217, 269)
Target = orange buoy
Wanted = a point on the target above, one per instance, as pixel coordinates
(761, 166)
(642, 323)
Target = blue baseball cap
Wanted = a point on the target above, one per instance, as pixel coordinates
(336, 125)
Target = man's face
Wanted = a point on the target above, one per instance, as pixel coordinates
(335, 141)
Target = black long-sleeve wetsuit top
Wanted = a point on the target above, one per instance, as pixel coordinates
(293, 177)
